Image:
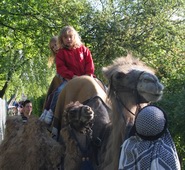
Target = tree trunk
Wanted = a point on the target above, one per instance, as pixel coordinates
(3, 90)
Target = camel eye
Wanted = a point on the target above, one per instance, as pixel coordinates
(148, 80)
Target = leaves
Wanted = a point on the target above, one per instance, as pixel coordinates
(152, 30)
(26, 30)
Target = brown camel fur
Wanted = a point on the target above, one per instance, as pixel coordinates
(78, 89)
(132, 86)
(86, 90)
(76, 136)
(28, 146)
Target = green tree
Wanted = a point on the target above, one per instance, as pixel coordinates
(152, 30)
(26, 28)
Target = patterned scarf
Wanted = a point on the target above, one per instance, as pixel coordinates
(139, 154)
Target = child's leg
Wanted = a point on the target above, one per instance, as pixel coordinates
(49, 115)
(47, 105)
(50, 97)
(56, 94)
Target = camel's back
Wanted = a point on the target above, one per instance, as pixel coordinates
(82, 88)
(78, 89)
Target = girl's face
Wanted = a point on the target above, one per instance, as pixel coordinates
(54, 47)
(68, 40)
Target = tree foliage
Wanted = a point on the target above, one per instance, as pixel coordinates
(26, 30)
(152, 30)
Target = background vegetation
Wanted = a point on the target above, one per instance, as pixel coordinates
(153, 30)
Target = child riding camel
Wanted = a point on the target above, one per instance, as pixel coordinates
(72, 59)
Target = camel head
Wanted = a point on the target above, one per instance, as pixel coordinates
(79, 116)
(77, 136)
(129, 75)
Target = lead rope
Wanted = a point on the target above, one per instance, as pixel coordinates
(118, 100)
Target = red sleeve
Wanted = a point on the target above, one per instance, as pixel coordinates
(61, 66)
(89, 64)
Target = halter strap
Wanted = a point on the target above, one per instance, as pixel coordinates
(128, 89)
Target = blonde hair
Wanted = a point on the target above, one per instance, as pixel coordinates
(51, 59)
(65, 31)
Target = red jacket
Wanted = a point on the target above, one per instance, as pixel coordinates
(78, 61)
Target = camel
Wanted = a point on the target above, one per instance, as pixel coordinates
(76, 137)
(133, 85)
(28, 146)
(87, 91)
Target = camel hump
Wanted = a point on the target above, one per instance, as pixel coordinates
(84, 87)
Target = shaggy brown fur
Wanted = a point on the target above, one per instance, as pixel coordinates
(77, 135)
(28, 146)
(132, 86)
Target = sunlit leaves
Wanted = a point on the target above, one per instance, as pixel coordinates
(27, 27)
(152, 30)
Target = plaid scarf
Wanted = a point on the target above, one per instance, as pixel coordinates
(139, 154)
